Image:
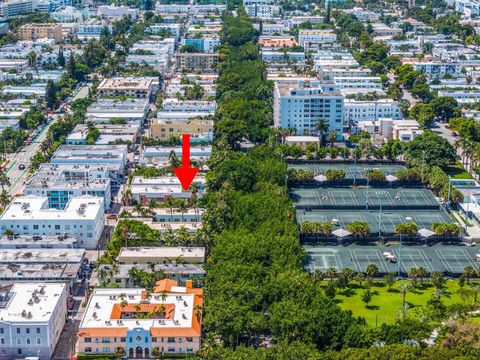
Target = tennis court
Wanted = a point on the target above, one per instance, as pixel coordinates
(363, 198)
(387, 220)
(351, 171)
(448, 259)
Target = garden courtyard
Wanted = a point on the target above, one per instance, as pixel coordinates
(385, 306)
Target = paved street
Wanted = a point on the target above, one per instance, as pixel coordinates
(19, 177)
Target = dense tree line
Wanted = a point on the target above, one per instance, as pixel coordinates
(244, 95)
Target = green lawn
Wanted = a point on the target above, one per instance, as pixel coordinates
(457, 172)
(385, 305)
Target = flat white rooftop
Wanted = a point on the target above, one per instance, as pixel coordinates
(31, 302)
(36, 208)
(162, 252)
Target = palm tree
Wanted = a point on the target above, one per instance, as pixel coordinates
(421, 273)
(360, 278)
(5, 199)
(404, 288)
(182, 207)
(413, 274)
(32, 59)
(469, 271)
(4, 180)
(321, 127)
(331, 273)
(169, 203)
(198, 312)
(332, 137)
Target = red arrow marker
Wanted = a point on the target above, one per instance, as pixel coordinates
(186, 174)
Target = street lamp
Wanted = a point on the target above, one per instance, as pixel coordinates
(449, 187)
(400, 249)
(368, 181)
(355, 166)
(380, 215)
(423, 163)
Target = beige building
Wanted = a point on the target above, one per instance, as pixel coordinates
(32, 32)
(197, 61)
(130, 86)
(162, 129)
(302, 141)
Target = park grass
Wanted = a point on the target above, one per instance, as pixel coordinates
(385, 305)
(457, 171)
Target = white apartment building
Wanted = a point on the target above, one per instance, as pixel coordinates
(31, 215)
(174, 29)
(159, 189)
(277, 56)
(32, 316)
(173, 8)
(371, 110)
(130, 86)
(308, 37)
(301, 104)
(263, 11)
(173, 104)
(468, 7)
(362, 14)
(462, 96)
(403, 130)
(433, 68)
(112, 11)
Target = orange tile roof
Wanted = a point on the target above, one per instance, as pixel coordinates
(164, 285)
(144, 308)
(174, 331)
(103, 332)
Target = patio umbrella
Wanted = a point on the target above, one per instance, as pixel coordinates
(391, 178)
(341, 233)
(425, 233)
(320, 178)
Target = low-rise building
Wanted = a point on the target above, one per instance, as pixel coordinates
(33, 32)
(302, 141)
(92, 155)
(31, 215)
(120, 275)
(363, 110)
(310, 38)
(15, 241)
(168, 319)
(112, 11)
(161, 255)
(197, 61)
(159, 189)
(164, 129)
(60, 184)
(129, 111)
(32, 316)
(160, 154)
(131, 86)
(42, 264)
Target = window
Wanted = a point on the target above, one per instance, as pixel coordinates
(154, 339)
(2, 330)
(35, 227)
(19, 341)
(2, 341)
(123, 339)
(171, 349)
(19, 351)
(189, 339)
(39, 341)
(27, 330)
(18, 330)
(88, 349)
(57, 227)
(28, 341)
(106, 340)
(171, 339)
(38, 330)
(88, 340)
